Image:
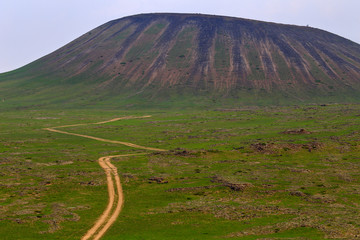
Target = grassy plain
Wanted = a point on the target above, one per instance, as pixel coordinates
(247, 173)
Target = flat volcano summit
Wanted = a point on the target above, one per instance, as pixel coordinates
(194, 58)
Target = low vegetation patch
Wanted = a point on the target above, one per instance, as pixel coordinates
(249, 173)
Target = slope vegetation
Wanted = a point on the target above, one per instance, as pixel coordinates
(156, 57)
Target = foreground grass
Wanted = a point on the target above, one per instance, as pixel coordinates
(237, 174)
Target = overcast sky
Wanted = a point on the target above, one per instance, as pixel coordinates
(31, 29)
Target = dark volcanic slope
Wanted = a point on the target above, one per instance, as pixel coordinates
(232, 57)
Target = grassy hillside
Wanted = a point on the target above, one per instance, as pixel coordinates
(46, 93)
(154, 59)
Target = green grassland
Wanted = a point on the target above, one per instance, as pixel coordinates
(245, 173)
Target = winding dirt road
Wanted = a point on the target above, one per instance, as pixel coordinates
(116, 197)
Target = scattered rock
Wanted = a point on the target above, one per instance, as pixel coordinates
(158, 180)
(260, 147)
(189, 189)
(90, 183)
(298, 194)
(299, 131)
(182, 153)
(299, 170)
(185, 152)
(323, 198)
(59, 213)
(270, 148)
(232, 186)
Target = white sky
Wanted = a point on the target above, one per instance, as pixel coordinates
(31, 29)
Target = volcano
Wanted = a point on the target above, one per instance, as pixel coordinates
(192, 58)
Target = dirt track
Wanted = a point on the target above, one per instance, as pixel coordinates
(116, 197)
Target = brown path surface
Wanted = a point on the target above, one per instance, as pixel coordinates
(105, 140)
(116, 197)
(106, 220)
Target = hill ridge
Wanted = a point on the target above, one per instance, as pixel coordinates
(163, 54)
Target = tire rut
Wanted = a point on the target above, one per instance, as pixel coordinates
(116, 196)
